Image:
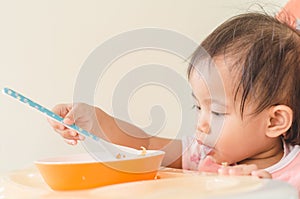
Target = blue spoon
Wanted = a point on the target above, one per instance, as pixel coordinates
(112, 148)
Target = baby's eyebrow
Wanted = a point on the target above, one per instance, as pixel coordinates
(213, 101)
(218, 102)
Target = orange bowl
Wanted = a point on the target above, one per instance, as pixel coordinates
(82, 171)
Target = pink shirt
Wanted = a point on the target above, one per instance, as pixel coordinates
(287, 169)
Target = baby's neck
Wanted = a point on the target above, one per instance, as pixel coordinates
(266, 158)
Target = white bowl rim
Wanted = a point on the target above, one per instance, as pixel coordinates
(88, 158)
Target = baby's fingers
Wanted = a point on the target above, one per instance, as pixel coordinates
(261, 173)
(71, 142)
(237, 170)
(70, 135)
(243, 169)
(56, 125)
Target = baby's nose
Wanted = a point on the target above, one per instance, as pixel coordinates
(203, 125)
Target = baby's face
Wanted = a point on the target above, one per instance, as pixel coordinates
(220, 124)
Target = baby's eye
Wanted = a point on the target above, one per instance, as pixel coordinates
(196, 107)
(218, 113)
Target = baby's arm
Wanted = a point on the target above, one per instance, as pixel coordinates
(123, 133)
(103, 125)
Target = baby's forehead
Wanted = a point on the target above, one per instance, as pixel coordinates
(219, 76)
(216, 69)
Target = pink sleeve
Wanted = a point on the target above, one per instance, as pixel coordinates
(290, 14)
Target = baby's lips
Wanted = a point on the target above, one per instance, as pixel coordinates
(208, 165)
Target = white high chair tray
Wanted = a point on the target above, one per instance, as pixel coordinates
(28, 183)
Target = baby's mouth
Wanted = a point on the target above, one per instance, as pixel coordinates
(204, 149)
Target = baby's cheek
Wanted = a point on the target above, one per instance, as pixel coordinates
(228, 149)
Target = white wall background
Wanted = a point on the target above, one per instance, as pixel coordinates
(43, 44)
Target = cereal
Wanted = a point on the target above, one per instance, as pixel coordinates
(118, 156)
(224, 164)
(144, 151)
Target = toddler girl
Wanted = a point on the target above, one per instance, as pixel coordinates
(246, 85)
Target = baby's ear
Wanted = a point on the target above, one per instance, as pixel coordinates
(280, 120)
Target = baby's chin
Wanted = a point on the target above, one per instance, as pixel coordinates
(219, 157)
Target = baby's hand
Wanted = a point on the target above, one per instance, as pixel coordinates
(81, 114)
(244, 169)
(208, 164)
